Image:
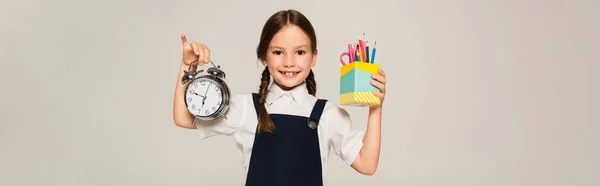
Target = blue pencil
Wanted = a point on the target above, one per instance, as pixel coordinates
(374, 51)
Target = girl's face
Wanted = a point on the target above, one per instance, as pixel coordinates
(289, 57)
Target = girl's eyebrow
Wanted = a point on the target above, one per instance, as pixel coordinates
(275, 47)
(281, 48)
(301, 46)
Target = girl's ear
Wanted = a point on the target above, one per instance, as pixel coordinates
(314, 58)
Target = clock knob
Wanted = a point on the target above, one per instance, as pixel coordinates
(216, 72)
(189, 75)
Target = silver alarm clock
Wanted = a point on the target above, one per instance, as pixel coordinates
(207, 96)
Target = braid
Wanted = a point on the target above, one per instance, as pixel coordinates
(264, 83)
(311, 83)
(264, 121)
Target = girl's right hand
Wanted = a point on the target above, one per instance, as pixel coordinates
(194, 51)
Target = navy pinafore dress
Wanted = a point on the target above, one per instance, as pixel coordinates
(290, 156)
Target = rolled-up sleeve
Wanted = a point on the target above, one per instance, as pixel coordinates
(222, 126)
(345, 142)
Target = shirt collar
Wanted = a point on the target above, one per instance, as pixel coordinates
(297, 94)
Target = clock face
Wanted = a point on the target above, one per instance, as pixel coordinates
(203, 97)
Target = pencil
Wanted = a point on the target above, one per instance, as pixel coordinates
(374, 51)
(356, 57)
(367, 51)
(360, 54)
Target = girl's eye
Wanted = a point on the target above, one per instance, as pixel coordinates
(277, 52)
(300, 52)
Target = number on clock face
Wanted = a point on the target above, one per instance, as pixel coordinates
(204, 97)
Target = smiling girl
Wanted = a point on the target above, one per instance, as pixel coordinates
(284, 132)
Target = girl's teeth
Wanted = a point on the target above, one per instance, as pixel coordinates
(289, 73)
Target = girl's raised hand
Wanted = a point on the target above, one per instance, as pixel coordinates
(194, 51)
(379, 82)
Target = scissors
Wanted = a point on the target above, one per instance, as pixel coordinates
(350, 55)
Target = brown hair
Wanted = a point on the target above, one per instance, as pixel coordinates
(271, 27)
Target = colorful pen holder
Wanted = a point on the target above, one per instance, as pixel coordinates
(355, 85)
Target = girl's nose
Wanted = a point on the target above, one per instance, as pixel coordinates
(289, 61)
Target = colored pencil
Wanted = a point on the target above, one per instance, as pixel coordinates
(374, 51)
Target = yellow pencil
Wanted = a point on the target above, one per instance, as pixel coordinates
(360, 51)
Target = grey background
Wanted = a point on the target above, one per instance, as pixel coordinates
(479, 92)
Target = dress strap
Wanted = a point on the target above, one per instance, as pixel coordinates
(317, 111)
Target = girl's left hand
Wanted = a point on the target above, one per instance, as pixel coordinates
(379, 82)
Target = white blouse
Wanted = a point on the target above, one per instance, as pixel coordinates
(334, 129)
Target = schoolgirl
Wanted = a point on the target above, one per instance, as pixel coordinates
(283, 131)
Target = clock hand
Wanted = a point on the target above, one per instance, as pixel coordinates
(204, 97)
(197, 94)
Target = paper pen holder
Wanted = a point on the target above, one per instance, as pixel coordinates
(355, 85)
